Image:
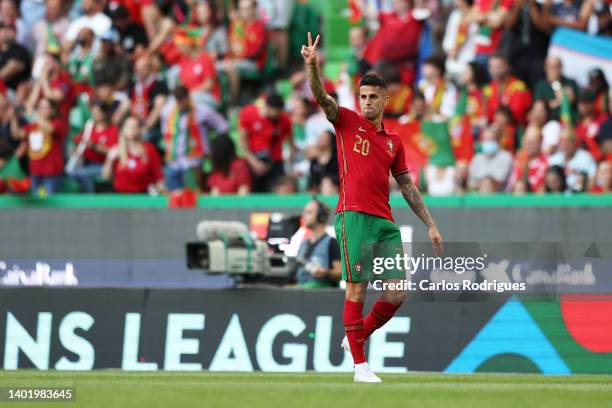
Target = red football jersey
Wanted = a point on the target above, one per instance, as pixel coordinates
(365, 158)
(46, 151)
(139, 172)
(194, 72)
(107, 137)
(264, 134)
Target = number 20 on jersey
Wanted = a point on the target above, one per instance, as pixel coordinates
(361, 146)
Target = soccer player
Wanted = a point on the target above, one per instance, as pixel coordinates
(367, 152)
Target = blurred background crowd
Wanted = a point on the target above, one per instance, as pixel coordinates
(154, 96)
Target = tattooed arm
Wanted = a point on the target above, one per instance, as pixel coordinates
(415, 201)
(327, 103)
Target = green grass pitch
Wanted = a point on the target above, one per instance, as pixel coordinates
(111, 388)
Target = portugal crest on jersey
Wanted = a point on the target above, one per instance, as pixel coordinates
(390, 147)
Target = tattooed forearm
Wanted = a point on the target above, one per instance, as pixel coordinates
(413, 198)
(327, 103)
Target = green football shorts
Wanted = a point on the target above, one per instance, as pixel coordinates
(363, 238)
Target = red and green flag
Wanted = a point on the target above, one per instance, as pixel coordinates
(12, 177)
(436, 141)
(460, 128)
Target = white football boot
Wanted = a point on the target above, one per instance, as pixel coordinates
(364, 374)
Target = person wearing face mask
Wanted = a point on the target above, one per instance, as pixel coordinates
(492, 161)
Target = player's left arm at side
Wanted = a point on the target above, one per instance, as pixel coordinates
(413, 198)
(415, 201)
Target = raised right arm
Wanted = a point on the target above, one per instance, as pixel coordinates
(327, 103)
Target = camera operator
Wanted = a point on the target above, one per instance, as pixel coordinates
(319, 255)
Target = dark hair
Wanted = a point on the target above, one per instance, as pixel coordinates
(54, 106)
(332, 141)
(285, 180)
(546, 107)
(438, 61)
(418, 95)
(480, 74)
(222, 153)
(104, 79)
(559, 172)
(373, 79)
(119, 13)
(106, 108)
(212, 7)
(502, 56)
(310, 108)
(599, 75)
(506, 111)
(180, 92)
(275, 101)
(322, 211)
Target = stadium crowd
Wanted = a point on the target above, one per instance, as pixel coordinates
(153, 96)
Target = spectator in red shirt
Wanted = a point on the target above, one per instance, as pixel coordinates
(55, 84)
(589, 123)
(167, 16)
(530, 164)
(263, 127)
(248, 45)
(45, 138)
(504, 121)
(506, 90)
(92, 146)
(230, 174)
(196, 70)
(397, 40)
(599, 84)
(491, 15)
(473, 80)
(133, 165)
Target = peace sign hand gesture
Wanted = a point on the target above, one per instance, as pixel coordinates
(310, 52)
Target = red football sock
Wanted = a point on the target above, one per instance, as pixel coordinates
(380, 314)
(353, 325)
